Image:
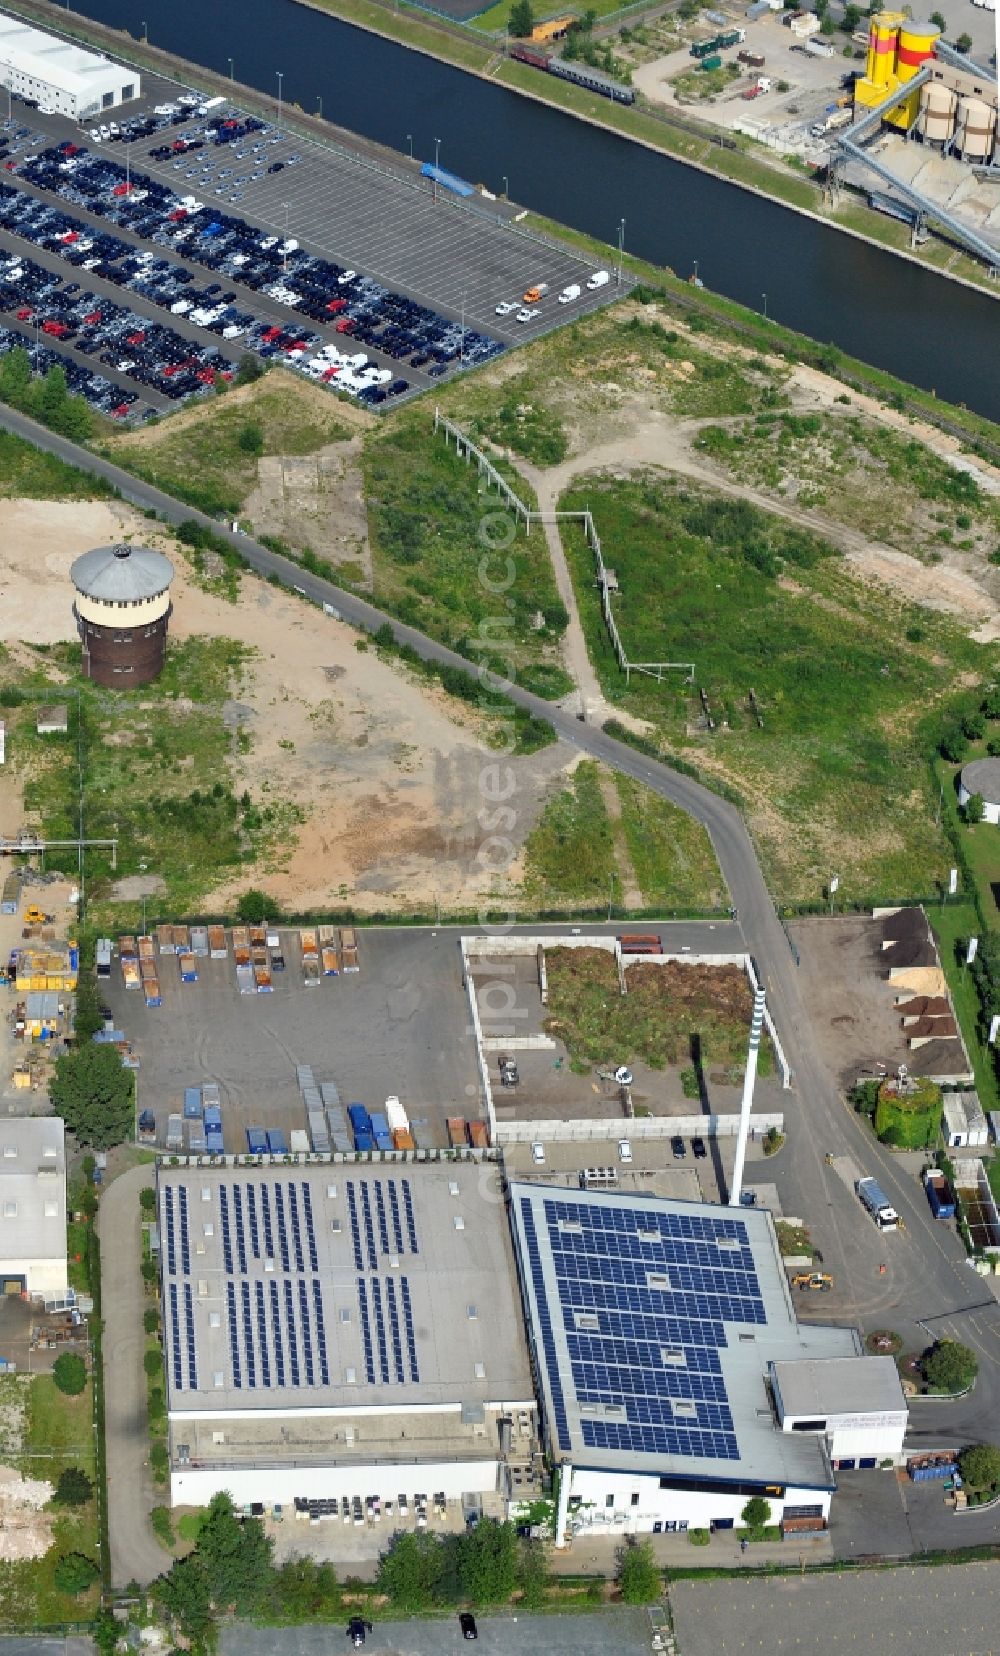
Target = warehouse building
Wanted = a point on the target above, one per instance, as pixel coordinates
(344, 1338)
(675, 1382)
(57, 75)
(33, 1206)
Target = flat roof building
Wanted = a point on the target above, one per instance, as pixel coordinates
(342, 1332)
(33, 1206)
(655, 1326)
(57, 75)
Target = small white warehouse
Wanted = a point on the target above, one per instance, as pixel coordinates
(344, 1335)
(657, 1330)
(57, 75)
(32, 1206)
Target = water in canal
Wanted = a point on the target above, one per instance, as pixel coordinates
(932, 332)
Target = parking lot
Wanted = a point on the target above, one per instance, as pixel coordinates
(353, 271)
(398, 1026)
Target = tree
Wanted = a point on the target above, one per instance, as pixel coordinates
(305, 1591)
(487, 1562)
(184, 1594)
(522, 19)
(250, 369)
(638, 1574)
(990, 705)
(147, 1201)
(964, 43)
(152, 1362)
(69, 1371)
(93, 1092)
(74, 1487)
(974, 726)
(15, 376)
(756, 1515)
(950, 1367)
(410, 1570)
(828, 26)
(74, 1573)
(975, 808)
(851, 18)
(235, 1555)
(151, 1319)
(253, 907)
(251, 437)
(953, 744)
(938, 21)
(979, 1465)
(87, 1018)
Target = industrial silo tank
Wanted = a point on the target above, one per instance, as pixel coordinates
(916, 45)
(976, 128)
(883, 37)
(937, 112)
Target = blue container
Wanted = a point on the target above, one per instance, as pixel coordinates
(213, 1117)
(192, 1103)
(363, 1140)
(276, 1142)
(360, 1120)
(256, 1141)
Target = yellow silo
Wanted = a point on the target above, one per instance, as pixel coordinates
(883, 37)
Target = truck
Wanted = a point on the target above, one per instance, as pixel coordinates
(832, 121)
(310, 947)
(456, 1132)
(939, 1195)
(818, 48)
(130, 972)
(752, 60)
(151, 992)
(395, 1114)
(818, 1281)
(873, 1197)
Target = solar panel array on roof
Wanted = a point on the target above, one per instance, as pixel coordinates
(643, 1299)
(277, 1325)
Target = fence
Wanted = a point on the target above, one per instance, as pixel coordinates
(467, 448)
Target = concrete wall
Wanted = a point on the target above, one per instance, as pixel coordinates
(693, 1509)
(637, 1129)
(279, 1485)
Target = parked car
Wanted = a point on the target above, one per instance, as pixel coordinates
(677, 1147)
(700, 1151)
(467, 1622)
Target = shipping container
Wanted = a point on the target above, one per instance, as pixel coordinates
(311, 974)
(319, 1135)
(331, 963)
(217, 946)
(402, 1139)
(262, 980)
(214, 1141)
(395, 1114)
(277, 1142)
(359, 1118)
(640, 943)
(330, 1092)
(181, 940)
(310, 948)
(188, 968)
(349, 950)
(258, 937)
(147, 969)
(304, 1076)
(456, 1131)
(151, 991)
(364, 1142)
(146, 947)
(327, 937)
(256, 1141)
(102, 957)
(197, 1140)
(710, 63)
(12, 893)
(479, 1138)
(336, 1120)
(199, 941)
(939, 1195)
(165, 940)
(244, 980)
(241, 937)
(127, 948)
(923, 1471)
(175, 1132)
(192, 1103)
(299, 1139)
(130, 973)
(341, 1141)
(210, 1094)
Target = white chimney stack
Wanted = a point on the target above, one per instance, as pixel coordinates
(746, 1104)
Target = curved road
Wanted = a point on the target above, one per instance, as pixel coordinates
(924, 1278)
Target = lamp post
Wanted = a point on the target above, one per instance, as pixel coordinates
(461, 351)
(621, 249)
(409, 140)
(284, 249)
(612, 877)
(145, 33)
(231, 77)
(764, 297)
(506, 188)
(319, 105)
(281, 75)
(437, 158)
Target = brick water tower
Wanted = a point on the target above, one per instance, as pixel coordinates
(122, 609)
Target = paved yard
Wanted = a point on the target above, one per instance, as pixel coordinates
(624, 1632)
(953, 1611)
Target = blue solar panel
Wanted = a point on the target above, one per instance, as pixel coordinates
(383, 1350)
(168, 1214)
(306, 1333)
(265, 1360)
(239, 1228)
(366, 1210)
(248, 1341)
(185, 1241)
(192, 1355)
(411, 1227)
(279, 1208)
(383, 1229)
(411, 1343)
(366, 1333)
(279, 1349)
(352, 1208)
(397, 1344)
(234, 1344)
(252, 1214)
(175, 1339)
(324, 1367)
(293, 1349)
(293, 1214)
(310, 1231)
(658, 1291)
(397, 1226)
(265, 1209)
(227, 1244)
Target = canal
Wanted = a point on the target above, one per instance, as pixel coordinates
(898, 316)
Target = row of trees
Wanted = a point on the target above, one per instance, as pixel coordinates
(46, 399)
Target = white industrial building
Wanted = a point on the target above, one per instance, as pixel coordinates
(57, 75)
(348, 1335)
(658, 1330)
(32, 1206)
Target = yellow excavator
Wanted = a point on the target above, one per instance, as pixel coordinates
(818, 1280)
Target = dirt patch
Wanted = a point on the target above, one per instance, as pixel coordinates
(315, 502)
(25, 1528)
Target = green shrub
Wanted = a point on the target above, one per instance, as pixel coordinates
(699, 1537)
(74, 1487)
(152, 1362)
(69, 1371)
(163, 1528)
(74, 1573)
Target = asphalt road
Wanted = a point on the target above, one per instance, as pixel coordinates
(925, 1276)
(626, 1632)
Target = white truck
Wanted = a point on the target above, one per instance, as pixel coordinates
(877, 1202)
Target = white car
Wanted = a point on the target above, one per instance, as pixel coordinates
(600, 279)
(506, 306)
(570, 293)
(537, 1153)
(624, 1150)
(46, 109)
(348, 276)
(527, 313)
(94, 135)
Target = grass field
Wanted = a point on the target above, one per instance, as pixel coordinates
(671, 853)
(951, 922)
(844, 674)
(26, 473)
(59, 1433)
(448, 560)
(865, 475)
(205, 456)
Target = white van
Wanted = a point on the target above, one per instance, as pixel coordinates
(570, 293)
(600, 279)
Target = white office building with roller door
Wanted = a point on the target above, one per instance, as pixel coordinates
(344, 1340)
(58, 75)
